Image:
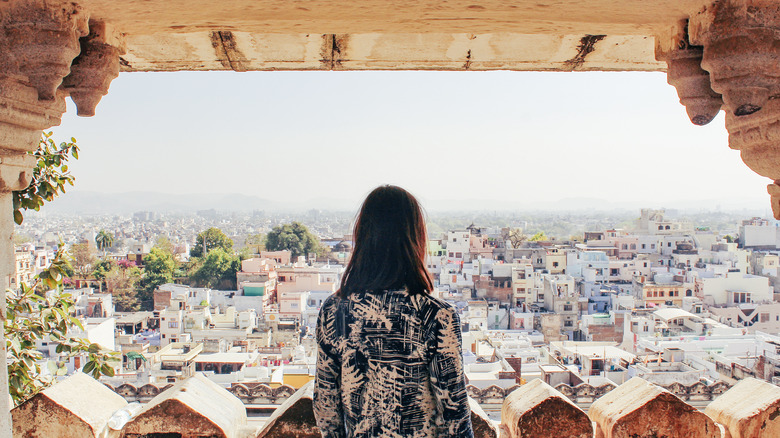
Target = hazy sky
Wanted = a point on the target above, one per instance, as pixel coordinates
(442, 135)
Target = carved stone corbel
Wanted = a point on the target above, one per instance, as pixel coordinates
(741, 40)
(41, 39)
(692, 82)
(96, 66)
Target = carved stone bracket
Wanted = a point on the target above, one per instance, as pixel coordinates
(741, 41)
(692, 82)
(94, 69)
(40, 39)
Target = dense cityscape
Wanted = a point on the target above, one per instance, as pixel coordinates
(581, 302)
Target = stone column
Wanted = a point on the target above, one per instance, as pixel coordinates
(39, 40)
(739, 42)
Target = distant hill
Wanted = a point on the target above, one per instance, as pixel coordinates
(89, 203)
(82, 202)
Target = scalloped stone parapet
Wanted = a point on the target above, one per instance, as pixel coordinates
(750, 409)
(537, 410)
(638, 409)
(77, 406)
(191, 408)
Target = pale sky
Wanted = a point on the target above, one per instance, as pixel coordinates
(442, 135)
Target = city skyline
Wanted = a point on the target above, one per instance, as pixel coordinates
(523, 138)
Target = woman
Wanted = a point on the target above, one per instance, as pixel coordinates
(389, 360)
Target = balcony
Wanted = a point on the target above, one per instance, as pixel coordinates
(196, 407)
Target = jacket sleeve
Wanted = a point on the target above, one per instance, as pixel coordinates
(327, 405)
(447, 376)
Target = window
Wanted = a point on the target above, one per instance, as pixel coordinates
(669, 244)
(661, 294)
(163, 336)
(567, 307)
(764, 317)
(644, 246)
(567, 323)
(555, 264)
(652, 246)
(452, 254)
(633, 246)
(458, 255)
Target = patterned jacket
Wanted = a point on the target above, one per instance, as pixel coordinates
(389, 364)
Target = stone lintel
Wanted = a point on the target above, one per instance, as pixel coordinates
(639, 409)
(750, 409)
(537, 410)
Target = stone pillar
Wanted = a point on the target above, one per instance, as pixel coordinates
(39, 40)
(740, 43)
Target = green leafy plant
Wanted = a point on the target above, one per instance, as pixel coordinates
(49, 176)
(33, 315)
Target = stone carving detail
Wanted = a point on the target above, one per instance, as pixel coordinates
(692, 83)
(41, 39)
(93, 70)
(741, 40)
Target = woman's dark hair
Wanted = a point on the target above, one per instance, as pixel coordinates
(390, 245)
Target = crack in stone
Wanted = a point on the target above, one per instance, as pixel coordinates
(587, 45)
(225, 47)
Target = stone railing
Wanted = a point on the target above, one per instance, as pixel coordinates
(197, 407)
(585, 393)
(262, 394)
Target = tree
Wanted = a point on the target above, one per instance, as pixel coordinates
(83, 258)
(159, 267)
(539, 237)
(49, 175)
(255, 243)
(121, 283)
(164, 244)
(104, 240)
(517, 237)
(33, 316)
(294, 237)
(218, 269)
(214, 238)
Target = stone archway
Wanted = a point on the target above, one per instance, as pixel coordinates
(718, 54)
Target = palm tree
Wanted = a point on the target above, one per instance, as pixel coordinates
(104, 240)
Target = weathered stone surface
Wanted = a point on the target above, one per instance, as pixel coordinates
(537, 410)
(40, 39)
(482, 425)
(295, 417)
(638, 409)
(78, 406)
(692, 83)
(740, 39)
(193, 408)
(93, 70)
(750, 409)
